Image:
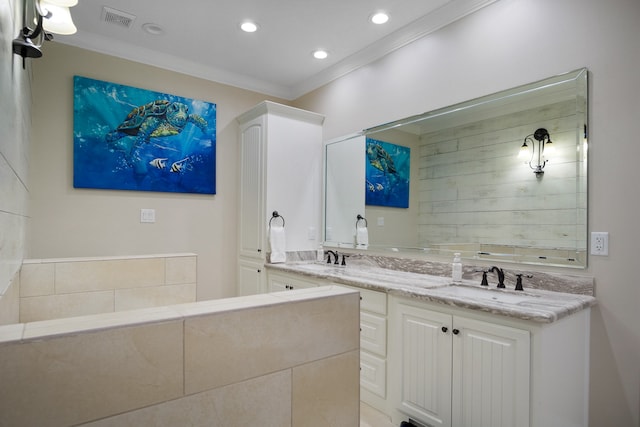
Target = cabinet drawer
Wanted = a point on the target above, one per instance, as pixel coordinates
(373, 301)
(373, 374)
(281, 282)
(373, 333)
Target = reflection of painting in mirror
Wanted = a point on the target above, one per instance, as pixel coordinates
(387, 174)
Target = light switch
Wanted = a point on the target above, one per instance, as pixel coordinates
(380, 221)
(148, 215)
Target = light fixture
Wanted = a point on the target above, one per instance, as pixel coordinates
(249, 27)
(153, 29)
(49, 16)
(320, 54)
(379, 18)
(540, 143)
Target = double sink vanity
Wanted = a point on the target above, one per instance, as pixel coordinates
(433, 352)
(444, 354)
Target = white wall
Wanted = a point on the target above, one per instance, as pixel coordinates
(513, 42)
(68, 222)
(15, 106)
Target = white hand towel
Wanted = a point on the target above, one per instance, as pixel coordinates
(278, 244)
(362, 236)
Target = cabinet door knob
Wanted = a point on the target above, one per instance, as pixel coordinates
(445, 329)
(456, 331)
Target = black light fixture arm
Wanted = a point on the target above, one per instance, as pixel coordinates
(28, 43)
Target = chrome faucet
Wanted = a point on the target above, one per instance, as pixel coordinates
(500, 276)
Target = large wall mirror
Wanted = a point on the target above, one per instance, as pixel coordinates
(503, 178)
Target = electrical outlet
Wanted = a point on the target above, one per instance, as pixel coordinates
(599, 243)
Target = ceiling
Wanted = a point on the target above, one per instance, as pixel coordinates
(202, 37)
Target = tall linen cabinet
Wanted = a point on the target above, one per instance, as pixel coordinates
(280, 164)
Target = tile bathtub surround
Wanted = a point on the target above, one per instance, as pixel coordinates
(66, 287)
(183, 364)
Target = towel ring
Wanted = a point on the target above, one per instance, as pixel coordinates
(275, 215)
(361, 218)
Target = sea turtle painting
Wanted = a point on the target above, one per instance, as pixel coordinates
(130, 138)
(380, 159)
(160, 118)
(156, 119)
(387, 174)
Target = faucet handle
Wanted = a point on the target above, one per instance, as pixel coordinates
(484, 282)
(519, 281)
(344, 262)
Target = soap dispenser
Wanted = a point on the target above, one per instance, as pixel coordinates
(320, 254)
(456, 268)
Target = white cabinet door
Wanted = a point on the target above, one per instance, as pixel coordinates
(426, 360)
(490, 374)
(460, 372)
(251, 190)
(250, 277)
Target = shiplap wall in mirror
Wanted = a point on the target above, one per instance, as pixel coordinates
(471, 193)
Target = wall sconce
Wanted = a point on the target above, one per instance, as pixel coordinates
(540, 142)
(49, 16)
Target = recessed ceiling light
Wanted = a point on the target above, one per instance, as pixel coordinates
(379, 18)
(320, 54)
(249, 27)
(153, 29)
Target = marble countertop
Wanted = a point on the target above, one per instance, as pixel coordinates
(536, 305)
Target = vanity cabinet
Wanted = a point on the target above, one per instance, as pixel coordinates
(280, 169)
(442, 363)
(373, 346)
(452, 370)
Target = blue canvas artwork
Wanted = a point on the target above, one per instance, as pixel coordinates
(126, 138)
(387, 174)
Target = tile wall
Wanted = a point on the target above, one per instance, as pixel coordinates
(15, 122)
(281, 359)
(57, 288)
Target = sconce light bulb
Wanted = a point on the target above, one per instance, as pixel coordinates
(549, 149)
(524, 151)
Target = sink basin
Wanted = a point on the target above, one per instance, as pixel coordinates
(484, 294)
